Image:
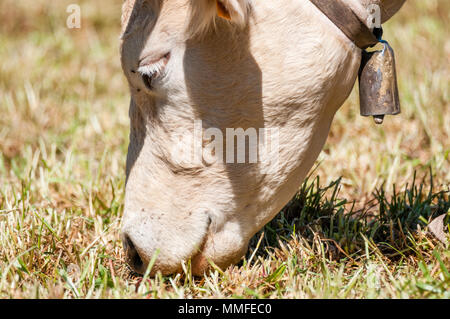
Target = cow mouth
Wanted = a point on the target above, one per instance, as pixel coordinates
(133, 257)
(199, 262)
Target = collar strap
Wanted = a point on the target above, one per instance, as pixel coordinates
(346, 20)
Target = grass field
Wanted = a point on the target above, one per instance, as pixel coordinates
(357, 229)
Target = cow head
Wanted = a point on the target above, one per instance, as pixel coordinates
(202, 72)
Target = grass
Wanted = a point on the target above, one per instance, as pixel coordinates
(356, 229)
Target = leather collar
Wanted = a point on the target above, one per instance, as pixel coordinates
(346, 20)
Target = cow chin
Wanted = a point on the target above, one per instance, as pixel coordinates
(220, 250)
(203, 262)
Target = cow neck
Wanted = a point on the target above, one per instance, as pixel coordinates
(347, 20)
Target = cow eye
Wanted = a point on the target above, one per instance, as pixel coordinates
(151, 71)
(147, 79)
(149, 74)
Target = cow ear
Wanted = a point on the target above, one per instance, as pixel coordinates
(233, 10)
(205, 12)
(222, 11)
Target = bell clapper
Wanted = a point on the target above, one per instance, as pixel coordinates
(378, 119)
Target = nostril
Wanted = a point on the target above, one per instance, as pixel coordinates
(134, 259)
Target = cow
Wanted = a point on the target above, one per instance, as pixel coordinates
(199, 69)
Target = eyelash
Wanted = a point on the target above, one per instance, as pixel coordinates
(152, 70)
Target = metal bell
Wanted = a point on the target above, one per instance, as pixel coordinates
(378, 90)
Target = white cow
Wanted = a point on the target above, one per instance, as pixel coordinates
(279, 69)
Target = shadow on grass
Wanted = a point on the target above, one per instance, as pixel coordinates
(388, 222)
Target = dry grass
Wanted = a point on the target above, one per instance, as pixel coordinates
(63, 139)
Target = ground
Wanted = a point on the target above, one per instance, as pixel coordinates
(357, 229)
